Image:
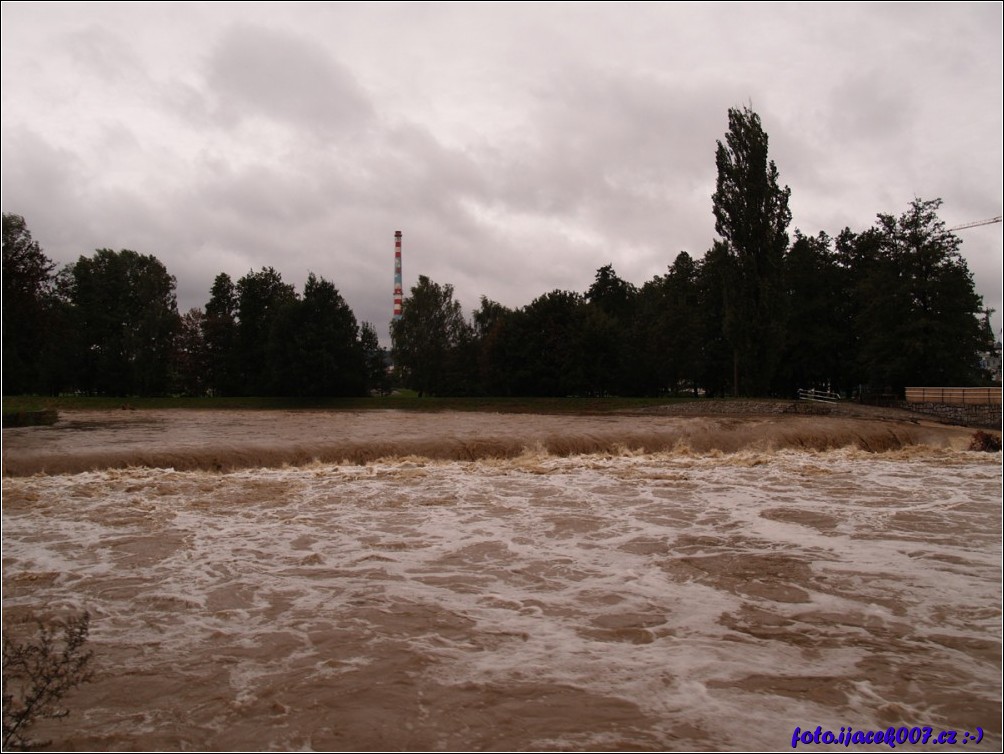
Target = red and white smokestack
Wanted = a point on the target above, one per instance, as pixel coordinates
(398, 294)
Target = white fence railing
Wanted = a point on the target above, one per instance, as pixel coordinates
(817, 395)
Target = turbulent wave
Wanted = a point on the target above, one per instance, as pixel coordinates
(225, 441)
(688, 600)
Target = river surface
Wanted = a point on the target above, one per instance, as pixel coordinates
(374, 581)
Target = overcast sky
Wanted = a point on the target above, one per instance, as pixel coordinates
(518, 147)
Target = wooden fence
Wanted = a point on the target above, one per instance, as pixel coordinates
(955, 396)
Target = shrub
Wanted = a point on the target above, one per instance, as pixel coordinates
(38, 670)
(985, 441)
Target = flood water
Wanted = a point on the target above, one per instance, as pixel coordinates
(315, 581)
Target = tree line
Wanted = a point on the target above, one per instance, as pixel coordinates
(108, 324)
(865, 311)
(759, 313)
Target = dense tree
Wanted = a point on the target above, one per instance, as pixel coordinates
(126, 318)
(191, 360)
(374, 360)
(547, 346)
(487, 317)
(260, 297)
(431, 341)
(28, 307)
(681, 318)
(752, 217)
(818, 352)
(915, 306)
(611, 294)
(717, 355)
(610, 334)
(219, 335)
(313, 347)
(647, 339)
(492, 324)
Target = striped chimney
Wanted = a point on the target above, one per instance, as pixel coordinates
(398, 295)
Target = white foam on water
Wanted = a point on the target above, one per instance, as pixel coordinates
(614, 601)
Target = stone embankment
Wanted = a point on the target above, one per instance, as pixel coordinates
(982, 415)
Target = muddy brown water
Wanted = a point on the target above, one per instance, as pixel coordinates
(384, 580)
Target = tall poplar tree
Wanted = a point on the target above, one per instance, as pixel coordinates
(752, 217)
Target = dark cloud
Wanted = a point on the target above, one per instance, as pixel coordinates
(287, 78)
(518, 149)
(43, 182)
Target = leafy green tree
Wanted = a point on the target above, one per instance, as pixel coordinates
(431, 341)
(219, 335)
(648, 339)
(681, 319)
(752, 217)
(717, 359)
(28, 308)
(609, 334)
(819, 350)
(547, 346)
(487, 316)
(126, 320)
(313, 347)
(611, 294)
(915, 305)
(492, 322)
(374, 360)
(259, 296)
(191, 361)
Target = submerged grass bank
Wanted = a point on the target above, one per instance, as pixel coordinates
(402, 401)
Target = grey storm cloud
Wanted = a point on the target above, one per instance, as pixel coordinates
(261, 72)
(518, 148)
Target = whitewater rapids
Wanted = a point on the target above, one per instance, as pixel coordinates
(316, 581)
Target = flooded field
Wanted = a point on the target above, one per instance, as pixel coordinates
(476, 581)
